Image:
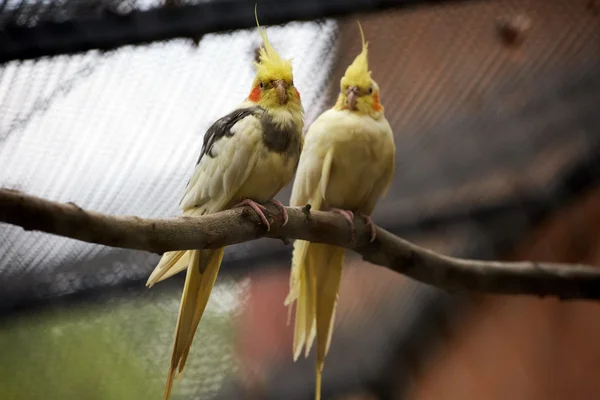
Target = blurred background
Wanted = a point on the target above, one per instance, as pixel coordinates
(495, 107)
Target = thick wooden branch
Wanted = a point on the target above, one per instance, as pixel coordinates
(241, 225)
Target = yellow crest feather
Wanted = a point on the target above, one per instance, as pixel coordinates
(270, 65)
(357, 73)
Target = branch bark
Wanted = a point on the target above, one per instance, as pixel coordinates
(565, 281)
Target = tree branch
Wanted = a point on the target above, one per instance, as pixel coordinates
(241, 225)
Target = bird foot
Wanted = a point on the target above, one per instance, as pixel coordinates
(349, 215)
(259, 209)
(281, 209)
(370, 225)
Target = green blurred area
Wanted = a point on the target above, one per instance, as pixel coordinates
(113, 349)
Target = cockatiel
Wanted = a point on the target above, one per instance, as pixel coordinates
(347, 163)
(247, 157)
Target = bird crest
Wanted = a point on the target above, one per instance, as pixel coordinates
(270, 65)
(357, 73)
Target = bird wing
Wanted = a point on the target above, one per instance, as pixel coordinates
(313, 168)
(385, 167)
(311, 182)
(316, 268)
(228, 156)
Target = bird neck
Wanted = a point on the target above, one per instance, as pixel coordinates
(292, 114)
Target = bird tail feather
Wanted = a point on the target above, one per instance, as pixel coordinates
(319, 272)
(327, 262)
(201, 276)
(314, 284)
(171, 263)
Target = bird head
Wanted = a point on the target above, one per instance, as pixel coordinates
(273, 85)
(359, 92)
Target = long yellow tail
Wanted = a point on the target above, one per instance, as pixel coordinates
(317, 270)
(203, 267)
(314, 283)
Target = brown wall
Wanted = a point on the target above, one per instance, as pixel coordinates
(522, 347)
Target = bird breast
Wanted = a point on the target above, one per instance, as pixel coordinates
(277, 160)
(360, 160)
(271, 173)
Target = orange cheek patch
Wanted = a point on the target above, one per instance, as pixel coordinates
(255, 94)
(376, 104)
(297, 92)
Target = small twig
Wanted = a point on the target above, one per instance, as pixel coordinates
(306, 210)
(75, 205)
(231, 226)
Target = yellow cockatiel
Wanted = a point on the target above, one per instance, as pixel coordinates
(347, 163)
(247, 157)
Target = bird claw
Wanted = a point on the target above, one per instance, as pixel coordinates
(281, 209)
(349, 215)
(259, 209)
(370, 225)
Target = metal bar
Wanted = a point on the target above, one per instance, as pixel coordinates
(109, 31)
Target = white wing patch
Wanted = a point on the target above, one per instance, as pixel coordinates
(217, 179)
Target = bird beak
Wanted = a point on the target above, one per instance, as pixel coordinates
(352, 97)
(281, 90)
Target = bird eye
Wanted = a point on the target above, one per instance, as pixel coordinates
(370, 91)
(262, 85)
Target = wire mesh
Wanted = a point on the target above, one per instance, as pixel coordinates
(119, 133)
(95, 125)
(32, 13)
